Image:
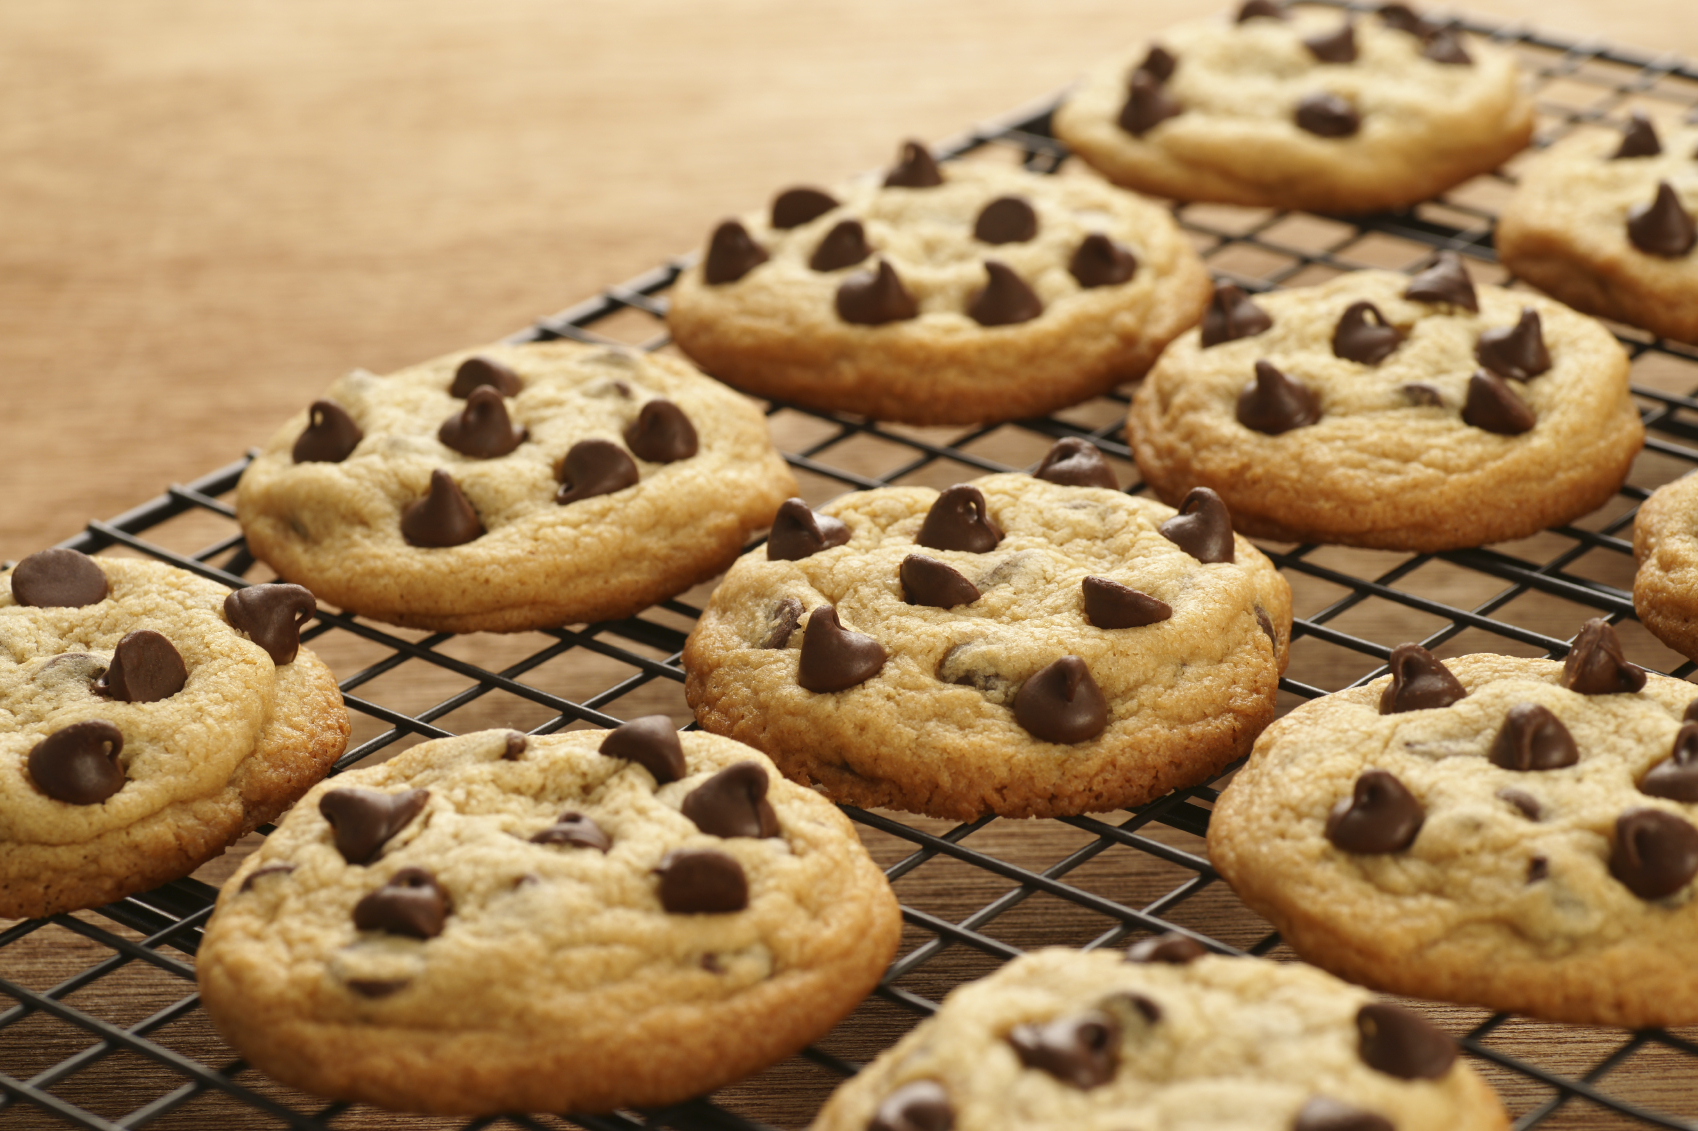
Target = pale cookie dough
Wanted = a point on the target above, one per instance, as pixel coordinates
(935, 713)
(1064, 1040)
(777, 331)
(1665, 543)
(109, 790)
(500, 554)
(1395, 456)
(1222, 125)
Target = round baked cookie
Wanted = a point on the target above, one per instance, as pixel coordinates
(1665, 543)
(1011, 645)
(148, 719)
(513, 487)
(581, 921)
(1506, 832)
(1378, 410)
(1605, 222)
(1166, 1038)
(940, 294)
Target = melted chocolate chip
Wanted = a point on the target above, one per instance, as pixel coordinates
(58, 579)
(1445, 281)
(272, 616)
(1532, 738)
(1075, 462)
(1419, 682)
(873, 298)
(1334, 46)
(1101, 262)
(794, 207)
(844, 246)
(1231, 315)
(1639, 139)
(1662, 228)
(482, 429)
(732, 253)
(411, 903)
(798, 532)
(1401, 17)
(575, 829)
(513, 746)
(784, 623)
(595, 467)
(1006, 299)
(1322, 1113)
(927, 581)
(1265, 623)
(1492, 406)
(363, 820)
(1423, 396)
(1202, 528)
(960, 520)
(1515, 351)
(378, 987)
(1402, 1043)
(1148, 105)
(651, 741)
(444, 517)
(330, 435)
(702, 881)
(1109, 604)
(1446, 47)
(1158, 63)
(1522, 800)
(1061, 703)
(733, 803)
(1655, 853)
(919, 1105)
(1595, 664)
(268, 870)
(1172, 948)
(661, 433)
(1327, 115)
(1676, 777)
(833, 658)
(1358, 339)
(477, 372)
(1274, 403)
(1081, 1051)
(914, 169)
(145, 669)
(79, 764)
(1538, 868)
(1007, 219)
(1260, 9)
(1378, 817)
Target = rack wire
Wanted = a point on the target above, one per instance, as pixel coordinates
(104, 1029)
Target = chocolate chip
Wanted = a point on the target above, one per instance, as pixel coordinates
(272, 616)
(330, 435)
(1006, 299)
(411, 903)
(1691, 713)
(784, 623)
(1662, 228)
(1007, 219)
(1402, 1043)
(1231, 315)
(1492, 406)
(1419, 682)
(651, 741)
(444, 517)
(1101, 262)
(268, 870)
(1401, 17)
(1075, 462)
(702, 881)
(145, 669)
(1538, 868)
(1357, 339)
(873, 298)
(1274, 403)
(927, 581)
(1515, 351)
(1327, 115)
(1676, 777)
(733, 803)
(844, 246)
(711, 963)
(796, 206)
(960, 520)
(58, 579)
(732, 253)
(919, 1105)
(378, 987)
(482, 429)
(575, 829)
(1596, 665)
(798, 532)
(1445, 281)
(1522, 800)
(915, 168)
(1423, 396)
(363, 820)
(513, 747)
(1334, 46)
(1147, 105)
(1109, 604)
(478, 372)
(661, 433)
(1378, 817)
(1061, 703)
(1446, 47)
(1202, 528)
(1159, 63)
(1322, 1113)
(1639, 139)
(79, 763)
(1655, 853)
(1260, 9)
(1532, 738)
(1081, 1051)
(1265, 623)
(1172, 948)
(833, 658)
(595, 467)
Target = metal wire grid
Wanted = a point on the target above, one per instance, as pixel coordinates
(1527, 598)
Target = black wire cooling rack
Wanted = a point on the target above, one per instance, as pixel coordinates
(105, 1029)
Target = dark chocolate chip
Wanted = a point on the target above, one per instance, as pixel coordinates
(1327, 115)
(1522, 800)
(145, 668)
(796, 206)
(833, 658)
(1676, 777)
(661, 433)
(1419, 682)
(1075, 462)
(798, 532)
(960, 520)
(1109, 604)
(1006, 299)
(1492, 406)
(873, 298)
(1690, 715)
(1423, 396)
(1081, 1050)
(1172, 948)
(1101, 262)
(1639, 139)
(702, 881)
(1147, 105)
(1260, 9)
(1159, 63)
(268, 870)
(914, 169)
(1662, 228)
(1265, 623)
(79, 763)
(919, 1105)
(411, 903)
(1274, 403)
(651, 741)
(1595, 664)
(1007, 219)
(482, 429)
(1655, 853)
(1445, 281)
(575, 829)
(1532, 738)
(1515, 351)
(1061, 703)
(595, 467)
(363, 820)
(378, 987)
(1446, 47)
(1401, 17)
(272, 616)
(1358, 339)
(442, 518)
(732, 253)
(1231, 315)
(733, 803)
(1538, 868)
(844, 246)
(784, 623)
(1402, 1043)
(58, 579)
(1378, 817)
(513, 748)
(927, 581)
(477, 372)
(330, 435)
(1323, 1113)
(711, 963)
(1334, 46)
(1202, 528)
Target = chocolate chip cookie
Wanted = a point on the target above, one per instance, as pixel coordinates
(1508, 832)
(1166, 1037)
(1665, 543)
(1015, 645)
(1315, 109)
(513, 487)
(148, 719)
(940, 294)
(1381, 410)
